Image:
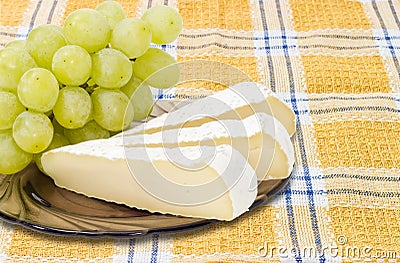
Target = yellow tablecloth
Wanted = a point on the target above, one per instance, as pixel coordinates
(337, 64)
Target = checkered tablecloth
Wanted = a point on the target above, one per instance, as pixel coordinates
(337, 64)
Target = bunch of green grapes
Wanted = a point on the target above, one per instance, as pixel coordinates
(85, 80)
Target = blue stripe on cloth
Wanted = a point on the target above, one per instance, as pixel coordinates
(395, 16)
(340, 47)
(131, 252)
(310, 192)
(268, 37)
(355, 108)
(292, 226)
(53, 8)
(289, 204)
(154, 248)
(235, 36)
(277, 43)
(231, 47)
(35, 14)
(267, 49)
(350, 97)
(363, 192)
(387, 37)
(160, 94)
(163, 96)
(20, 36)
(270, 48)
(362, 177)
(313, 214)
(270, 66)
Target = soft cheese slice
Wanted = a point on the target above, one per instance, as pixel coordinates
(236, 102)
(205, 182)
(260, 138)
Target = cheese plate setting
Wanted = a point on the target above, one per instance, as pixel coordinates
(91, 144)
(32, 199)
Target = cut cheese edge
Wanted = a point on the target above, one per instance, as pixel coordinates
(216, 182)
(260, 138)
(236, 102)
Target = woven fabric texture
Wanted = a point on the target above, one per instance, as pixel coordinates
(336, 64)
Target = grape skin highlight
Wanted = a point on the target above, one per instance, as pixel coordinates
(113, 11)
(73, 107)
(165, 23)
(87, 28)
(32, 131)
(72, 65)
(140, 96)
(11, 107)
(12, 158)
(43, 42)
(38, 90)
(111, 109)
(157, 68)
(14, 63)
(132, 36)
(111, 68)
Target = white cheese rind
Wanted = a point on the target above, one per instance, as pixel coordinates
(236, 102)
(100, 169)
(240, 134)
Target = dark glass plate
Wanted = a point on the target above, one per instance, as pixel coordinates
(31, 199)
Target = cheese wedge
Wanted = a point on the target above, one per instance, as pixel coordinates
(236, 102)
(260, 138)
(205, 182)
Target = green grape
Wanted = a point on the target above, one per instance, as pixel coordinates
(90, 131)
(140, 96)
(32, 131)
(87, 28)
(131, 36)
(113, 11)
(13, 64)
(165, 23)
(42, 42)
(18, 43)
(12, 158)
(38, 89)
(58, 141)
(72, 65)
(157, 68)
(111, 109)
(73, 107)
(11, 107)
(111, 68)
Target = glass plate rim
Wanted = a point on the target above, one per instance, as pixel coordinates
(55, 231)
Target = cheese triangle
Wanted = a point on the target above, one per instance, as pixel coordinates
(260, 138)
(205, 182)
(235, 103)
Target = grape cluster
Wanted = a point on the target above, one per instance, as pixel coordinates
(86, 80)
